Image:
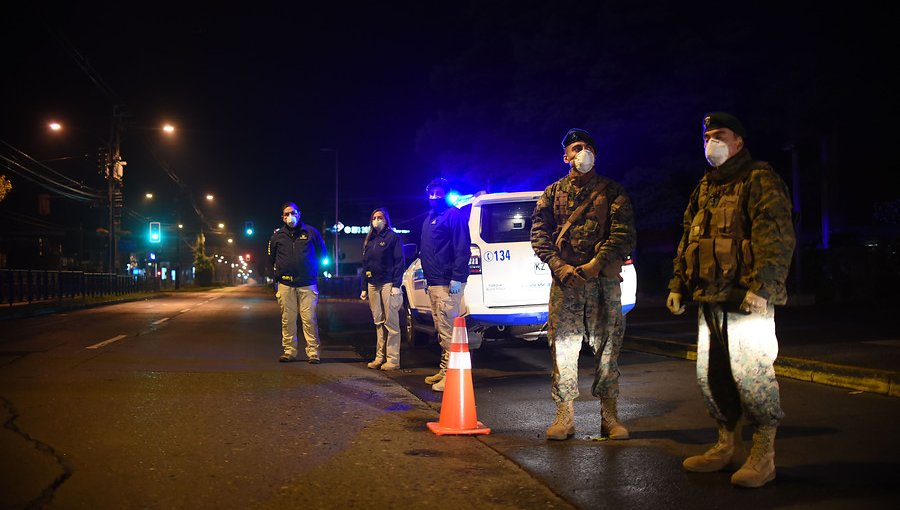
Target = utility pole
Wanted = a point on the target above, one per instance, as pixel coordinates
(113, 173)
(337, 265)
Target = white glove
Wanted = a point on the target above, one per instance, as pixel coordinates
(363, 295)
(395, 291)
(673, 303)
(754, 303)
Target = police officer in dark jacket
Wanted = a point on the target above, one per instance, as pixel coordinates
(294, 252)
(383, 266)
(444, 252)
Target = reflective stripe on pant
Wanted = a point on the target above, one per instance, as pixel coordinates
(302, 300)
(386, 315)
(589, 313)
(445, 307)
(735, 364)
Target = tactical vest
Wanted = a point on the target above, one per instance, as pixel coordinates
(575, 246)
(718, 255)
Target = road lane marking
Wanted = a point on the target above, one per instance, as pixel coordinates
(186, 310)
(106, 342)
(160, 321)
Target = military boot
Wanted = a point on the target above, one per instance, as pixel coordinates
(717, 457)
(439, 376)
(609, 420)
(760, 466)
(563, 426)
(376, 363)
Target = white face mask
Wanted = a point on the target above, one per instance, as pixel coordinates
(716, 152)
(584, 161)
(291, 220)
(378, 224)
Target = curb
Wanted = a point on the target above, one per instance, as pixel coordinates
(881, 382)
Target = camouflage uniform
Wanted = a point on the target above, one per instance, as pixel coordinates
(590, 312)
(738, 236)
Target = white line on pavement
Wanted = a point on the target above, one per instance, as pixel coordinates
(186, 310)
(160, 321)
(106, 342)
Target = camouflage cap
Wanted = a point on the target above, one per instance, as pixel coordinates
(578, 135)
(719, 120)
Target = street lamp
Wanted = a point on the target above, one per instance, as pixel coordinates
(148, 195)
(210, 197)
(337, 265)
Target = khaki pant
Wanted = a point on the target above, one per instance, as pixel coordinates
(386, 314)
(302, 300)
(444, 309)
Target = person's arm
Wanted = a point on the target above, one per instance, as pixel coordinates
(620, 241)
(462, 252)
(771, 234)
(543, 225)
(678, 283)
(271, 250)
(399, 262)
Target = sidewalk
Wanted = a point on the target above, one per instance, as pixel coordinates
(854, 346)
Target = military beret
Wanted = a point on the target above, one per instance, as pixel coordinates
(719, 120)
(578, 135)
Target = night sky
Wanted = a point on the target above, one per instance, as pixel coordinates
(479, 92)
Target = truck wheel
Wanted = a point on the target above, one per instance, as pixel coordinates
(408, 332)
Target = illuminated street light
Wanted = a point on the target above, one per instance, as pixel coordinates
(180, 225)
(168, 128)
(230, 240)
(56, 126)
(209, 197)
(148, 195)
(221, 225)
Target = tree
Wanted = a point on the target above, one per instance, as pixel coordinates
(203, 265)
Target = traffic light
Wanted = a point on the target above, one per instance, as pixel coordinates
(155, 233)
(248, 228)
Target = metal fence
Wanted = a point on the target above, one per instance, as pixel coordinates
(29, 286)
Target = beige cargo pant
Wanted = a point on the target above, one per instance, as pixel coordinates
(302, 300)
(445, 307)
(386, 314)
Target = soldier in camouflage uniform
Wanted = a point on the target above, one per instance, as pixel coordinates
(733, 259)
(583, 228)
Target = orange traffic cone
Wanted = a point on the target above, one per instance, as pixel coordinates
(458, 405)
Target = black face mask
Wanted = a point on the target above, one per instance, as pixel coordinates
(438, 204)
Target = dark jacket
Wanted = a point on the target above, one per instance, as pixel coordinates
(738, 234)
(383, 259)
(445, 247)
(295, 255)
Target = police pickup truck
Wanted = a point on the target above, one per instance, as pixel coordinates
(508, 286)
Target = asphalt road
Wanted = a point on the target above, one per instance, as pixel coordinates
(179, 402)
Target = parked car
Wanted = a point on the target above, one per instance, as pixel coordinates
(508, 286)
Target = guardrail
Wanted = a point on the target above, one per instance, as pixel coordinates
(30, 286)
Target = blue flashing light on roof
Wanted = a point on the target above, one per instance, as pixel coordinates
(452, 197)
